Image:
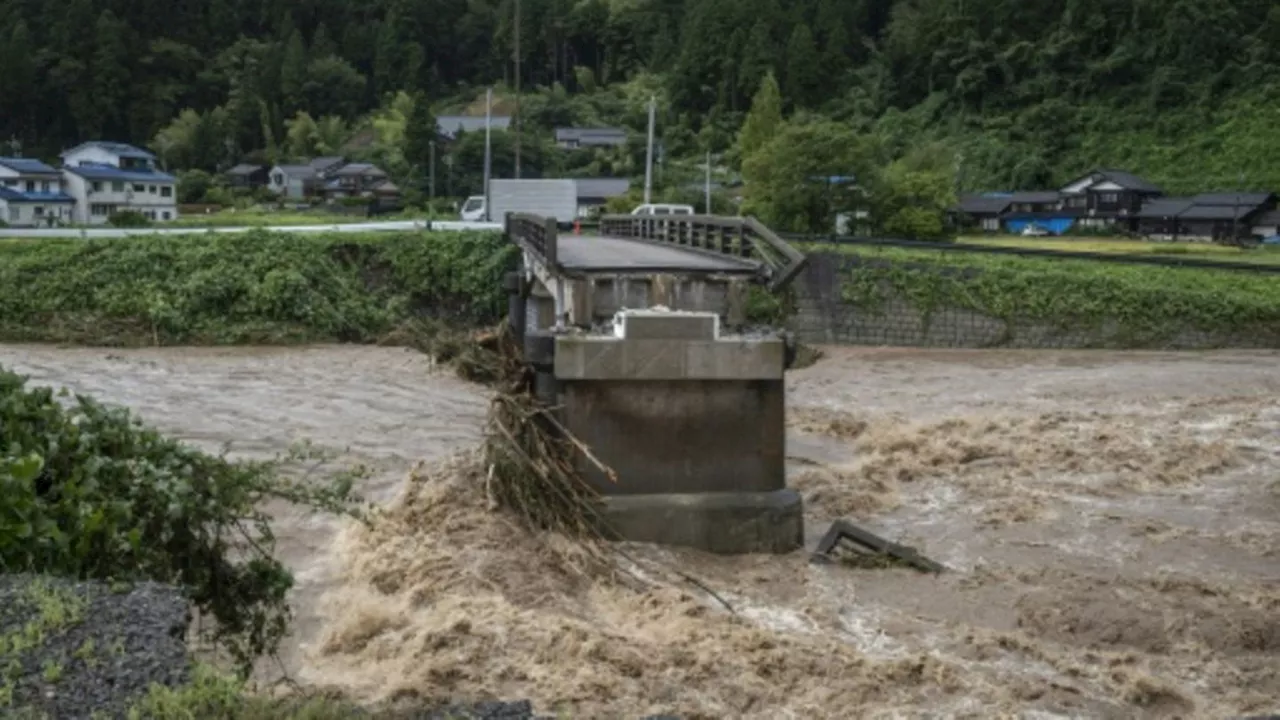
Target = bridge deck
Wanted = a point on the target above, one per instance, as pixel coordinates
(593, 253)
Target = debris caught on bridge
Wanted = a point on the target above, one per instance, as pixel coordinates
(531, 455)
(869, 549)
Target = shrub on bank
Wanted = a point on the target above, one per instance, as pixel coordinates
(87, 491)
(252, 287)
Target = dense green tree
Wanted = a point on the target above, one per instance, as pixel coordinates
(293, 75)
(803, 82)
(764, 120)
(419, 134)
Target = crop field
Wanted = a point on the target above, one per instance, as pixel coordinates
(1125, 246)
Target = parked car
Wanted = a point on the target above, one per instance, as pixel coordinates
(1033, 230)
(663, 209)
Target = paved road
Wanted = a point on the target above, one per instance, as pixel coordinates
(338, 227)
(590, 252)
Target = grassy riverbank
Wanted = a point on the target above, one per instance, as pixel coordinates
(1142, 302)
(257, 287)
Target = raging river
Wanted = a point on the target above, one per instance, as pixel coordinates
(1110, 521)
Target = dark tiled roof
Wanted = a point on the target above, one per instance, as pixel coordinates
(1217, 212)
(299, 171)
(592, 136)
(1252, 199)
(325, 163)
(602, 187)
(11, 195)
(1164, 207)
(1129, 181)
(359, 169)
(27, 166)
(1036, 196)
(983, 204)
(99, 171)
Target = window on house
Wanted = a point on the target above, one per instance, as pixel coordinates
(117, 187)
(152, 189)
(39, 211)
(44, 186)
(166, 191)
(97, 186)
(278, 179)
(138, 187)
(1110, 197)
(31, 186)
(102, 210)
(165, 214)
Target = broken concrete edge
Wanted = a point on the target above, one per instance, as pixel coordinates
(845, 530)
(721, 523)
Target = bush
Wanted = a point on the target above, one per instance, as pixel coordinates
(252, 287)
(128, 219)
(87, 491)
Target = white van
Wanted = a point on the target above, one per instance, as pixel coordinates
(663, 209)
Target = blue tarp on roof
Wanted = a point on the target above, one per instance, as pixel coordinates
(10, 195)
(96, 171)
(1057, 225)
(27, 165)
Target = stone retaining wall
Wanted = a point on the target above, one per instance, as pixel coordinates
(823, 316)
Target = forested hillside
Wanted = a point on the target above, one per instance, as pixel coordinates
(1015, 94)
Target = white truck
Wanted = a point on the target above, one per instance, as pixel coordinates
(550, 198)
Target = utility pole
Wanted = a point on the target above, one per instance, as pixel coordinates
(488, 148)
(518, 134)
(648, 157)
(432, 175)
(707, 183)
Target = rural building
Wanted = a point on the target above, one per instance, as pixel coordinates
(1041, 208)
(1267, 224)
(326, 166)
(1108, 197)
(572, 138)
(449, 126)
(983, 211)
(31, 194)
(594, 193)
(248, 176)
(354, 180)
(105, 178)
(294, 182)
(1208, 216)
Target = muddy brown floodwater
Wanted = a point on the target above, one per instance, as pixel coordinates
(1110, 521)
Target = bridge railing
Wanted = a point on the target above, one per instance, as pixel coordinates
(742, 237)
(535, 233)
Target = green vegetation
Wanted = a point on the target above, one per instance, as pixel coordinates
(90, 492)
(1134, 304)
(1206, 251)
(998, 95)
(251, 287)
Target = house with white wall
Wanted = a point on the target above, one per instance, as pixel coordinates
(105, 178)
(31, 194)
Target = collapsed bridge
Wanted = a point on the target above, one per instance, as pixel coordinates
(640, 338)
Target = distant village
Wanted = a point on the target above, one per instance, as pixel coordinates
(99, 179)
(1120, 201)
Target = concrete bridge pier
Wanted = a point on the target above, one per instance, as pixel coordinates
(694, 426)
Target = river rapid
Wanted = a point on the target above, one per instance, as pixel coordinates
(1110, 521)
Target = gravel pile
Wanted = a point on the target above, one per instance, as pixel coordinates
(69, 649)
